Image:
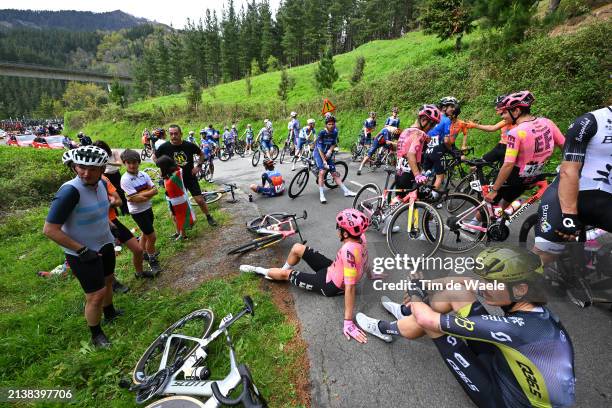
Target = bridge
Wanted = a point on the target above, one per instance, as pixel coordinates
(45, 72)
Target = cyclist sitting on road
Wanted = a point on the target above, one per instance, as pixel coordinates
(530, 144)
(305, 137)
(331, 278)
(248, 133)
(393, 120)
(266, 135)
(498, 152)
(582, 193)
(294, 130)
(440, 142)
(522, 359)
(272, 183)
(326, 142)
(368, 127)
(383, 139)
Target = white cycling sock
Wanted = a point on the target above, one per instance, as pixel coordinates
(287, 266)
(321, 190)
(262, 271)
(344, 189)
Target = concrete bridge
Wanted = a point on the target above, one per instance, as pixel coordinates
(40, 71)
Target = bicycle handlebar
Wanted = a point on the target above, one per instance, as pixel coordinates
(246, 396)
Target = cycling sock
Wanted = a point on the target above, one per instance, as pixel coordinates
(261, 271)
(344, 189)
(287, 266)
(95, 330)
(388, 327)
(321, 190)
(109, 311)
(406, 311)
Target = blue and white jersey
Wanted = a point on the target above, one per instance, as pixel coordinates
(370, 124)
(439, 131)
(306, 132)
(391, 121)
(326, 140)
(294, 125)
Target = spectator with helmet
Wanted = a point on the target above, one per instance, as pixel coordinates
(331, 278)
(83, 201)
(84, 140)
(272, 183)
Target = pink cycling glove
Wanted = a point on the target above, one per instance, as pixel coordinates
(420, 179)
(350, 329)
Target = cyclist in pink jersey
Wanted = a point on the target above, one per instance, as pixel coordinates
(530, 144)
(331, 278)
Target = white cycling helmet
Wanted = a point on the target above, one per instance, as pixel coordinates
(268, 123)
(293, 114)
(86, 156)
(310, 121)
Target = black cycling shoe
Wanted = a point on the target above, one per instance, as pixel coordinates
(101, 341)
(119, 287)
(155, 267)
(144, 274)
(211, 221)
(145, 256)
(118, 312)
(579, 292)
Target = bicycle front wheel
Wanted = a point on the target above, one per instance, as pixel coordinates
(342, 169)
(368, 199)
(224, 154)
(177, 401)
(461, 231)
(298, 183)
(255, 244)
(256, 157)
(274, 152)
(195, 324)
(415, 230)
(212, 197)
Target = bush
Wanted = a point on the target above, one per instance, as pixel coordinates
(358, 71)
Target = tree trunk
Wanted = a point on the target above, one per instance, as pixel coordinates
(458, 43)
(552, 6)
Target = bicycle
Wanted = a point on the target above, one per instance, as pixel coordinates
(288, 148)
(257, 153)
(146, 152)
(455, 170)
(382, 156)
(215, 195)
(272, 229)
(479, 175)
(174, 363)
(240, 147)
(206, 171)
(305, 152)
(360, 147)
(227, 151)
(155, 175)
(299, 181)
(493, 223)
(419, 225)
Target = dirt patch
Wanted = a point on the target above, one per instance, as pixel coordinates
(576, 23)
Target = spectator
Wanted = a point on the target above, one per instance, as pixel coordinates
(113, 174)
(183, 215)
(84, 140)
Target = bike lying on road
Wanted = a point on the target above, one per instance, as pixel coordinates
(174, 364)
(215, 195)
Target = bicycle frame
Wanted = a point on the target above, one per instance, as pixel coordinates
(275, 229)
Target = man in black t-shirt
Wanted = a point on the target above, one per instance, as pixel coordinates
(182, 152)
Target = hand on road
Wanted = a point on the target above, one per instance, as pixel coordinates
(351, 330)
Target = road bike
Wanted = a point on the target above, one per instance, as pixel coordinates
(206, 171)
(175, 363)
(468, 220)
(228, 150)
(146, 152)
(299, 181)
(271, 228)
(482, 171)
(360, 147)
(456, 168)
(215, 195)
(288, 148)
(412, 226)
(257, 153)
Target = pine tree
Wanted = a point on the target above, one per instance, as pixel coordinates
(315, 18)
(284, 85)
(267, 39)
(514, 16)
(162, 67)
(446, 19)
(291, 14)
(230, 44)
(326, 73)
(193, 92)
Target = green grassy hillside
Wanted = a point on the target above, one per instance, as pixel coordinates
(568, 75)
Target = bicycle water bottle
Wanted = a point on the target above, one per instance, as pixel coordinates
(515, 205)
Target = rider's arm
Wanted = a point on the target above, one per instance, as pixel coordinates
(349, 301)
(412, 162)
(569, 177)
(488, 128)
(512, 150)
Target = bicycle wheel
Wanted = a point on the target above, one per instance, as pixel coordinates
(420, 237)
(255, 158)
(284, 152)
(266, 220)
(298, 183)
(240, 147)
(342, 169)
(224, 154)
(274, 152)
(212, 197)
(255, 244)
(145, 153)
(177, 401)
(195, 324)
(465, 187)
(458, 210)
(527, 232)
(356, 151)
(153, 173)
(208, 174)
(368, 199)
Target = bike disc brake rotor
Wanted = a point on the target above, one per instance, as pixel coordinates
(153, 386)
(498, 232)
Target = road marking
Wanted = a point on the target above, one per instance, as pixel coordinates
(357, 184)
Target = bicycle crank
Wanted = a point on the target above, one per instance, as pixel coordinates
(498, 232)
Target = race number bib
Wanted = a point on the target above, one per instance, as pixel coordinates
(532, 169)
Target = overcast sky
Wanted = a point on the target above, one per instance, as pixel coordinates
(170, 12)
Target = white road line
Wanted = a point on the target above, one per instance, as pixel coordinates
(356, 183)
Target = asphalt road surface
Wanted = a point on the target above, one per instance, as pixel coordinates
(404, 373)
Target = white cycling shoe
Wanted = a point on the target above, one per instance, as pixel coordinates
(349, 193)
(370, 325)
(252, 269)
(394, 308)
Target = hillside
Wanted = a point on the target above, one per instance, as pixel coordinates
(69, 20)
(406, 72)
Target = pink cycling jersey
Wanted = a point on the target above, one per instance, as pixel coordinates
(349, 265)
(411, 140)
(530, 144)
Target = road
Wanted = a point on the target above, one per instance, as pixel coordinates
(403, 373)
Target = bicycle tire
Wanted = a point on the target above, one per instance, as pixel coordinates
(257, 243)
(366, 204)
(145, 154)
(140, 373)
(329, 181)
(283, 153)
(208, 174)
(255, 158)
(299, 181)
(177, 401)
(464, 186)
(529, 223)
(356, 151)
(472, 237)
(224, 154)
(270, 219)
(240, 148)
(396, 241)
(274, 152)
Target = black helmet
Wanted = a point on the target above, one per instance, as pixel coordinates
(330, 118)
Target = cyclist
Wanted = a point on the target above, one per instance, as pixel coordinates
(207, 148)
(440, 142)
(191, 137)
(89, 251)
(383, 139)
(248, 133)
(530, 144)
(210, 137)
(272, 183)
(228, 141)
(498, 152)
(368, 127)
(326, 142)
(457, 126)
(294, 130)
(393, 120)
(582, 194)
(266, 135)
(234, 133)
(305, 137)
(331, 278)
(522, 359)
